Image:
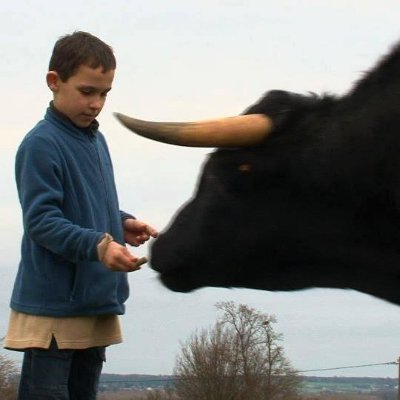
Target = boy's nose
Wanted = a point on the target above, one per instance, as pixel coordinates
(96, 104)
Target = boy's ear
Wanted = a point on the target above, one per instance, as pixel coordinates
(52, 80)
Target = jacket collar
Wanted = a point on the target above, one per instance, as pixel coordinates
(91, 130)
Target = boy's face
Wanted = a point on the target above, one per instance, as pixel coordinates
(82, 96)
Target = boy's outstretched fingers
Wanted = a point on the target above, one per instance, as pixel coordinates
(137, 232)
(151, 231)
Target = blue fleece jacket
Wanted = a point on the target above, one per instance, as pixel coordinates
(67, 192)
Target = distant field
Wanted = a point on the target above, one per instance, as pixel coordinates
(313, 388)
(143, 395)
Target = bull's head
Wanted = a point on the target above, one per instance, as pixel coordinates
(307, 200)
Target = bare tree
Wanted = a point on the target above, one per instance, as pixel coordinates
(240, 358)
(207, 368)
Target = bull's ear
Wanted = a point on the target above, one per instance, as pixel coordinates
(238, 131)
(280, 105)
(276, 102)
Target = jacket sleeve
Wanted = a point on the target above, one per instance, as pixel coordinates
(39, 182)
(125, 215)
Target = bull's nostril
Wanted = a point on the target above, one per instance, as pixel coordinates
(245, 167)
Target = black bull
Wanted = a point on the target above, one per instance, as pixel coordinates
(315, 204)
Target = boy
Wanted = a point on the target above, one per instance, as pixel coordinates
(72, 279)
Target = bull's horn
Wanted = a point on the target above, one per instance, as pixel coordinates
(239, 131)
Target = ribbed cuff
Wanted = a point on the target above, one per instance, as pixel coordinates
(103, 244)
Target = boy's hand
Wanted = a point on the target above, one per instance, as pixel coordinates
(137, 232)
(118, 258)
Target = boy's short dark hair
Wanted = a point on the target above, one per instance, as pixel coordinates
(80, 48)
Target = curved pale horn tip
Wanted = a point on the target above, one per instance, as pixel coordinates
(120, 117)
(238, 131)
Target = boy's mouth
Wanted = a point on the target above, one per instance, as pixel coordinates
(89, 117)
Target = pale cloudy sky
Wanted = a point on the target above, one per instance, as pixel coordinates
(192, 60)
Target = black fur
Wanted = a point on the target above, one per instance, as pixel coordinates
(315, 205)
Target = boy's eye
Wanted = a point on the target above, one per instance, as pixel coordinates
(89, 92)
(86, 91)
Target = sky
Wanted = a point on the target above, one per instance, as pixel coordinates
(189, 60)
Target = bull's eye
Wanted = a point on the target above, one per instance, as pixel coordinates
(245, 167)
